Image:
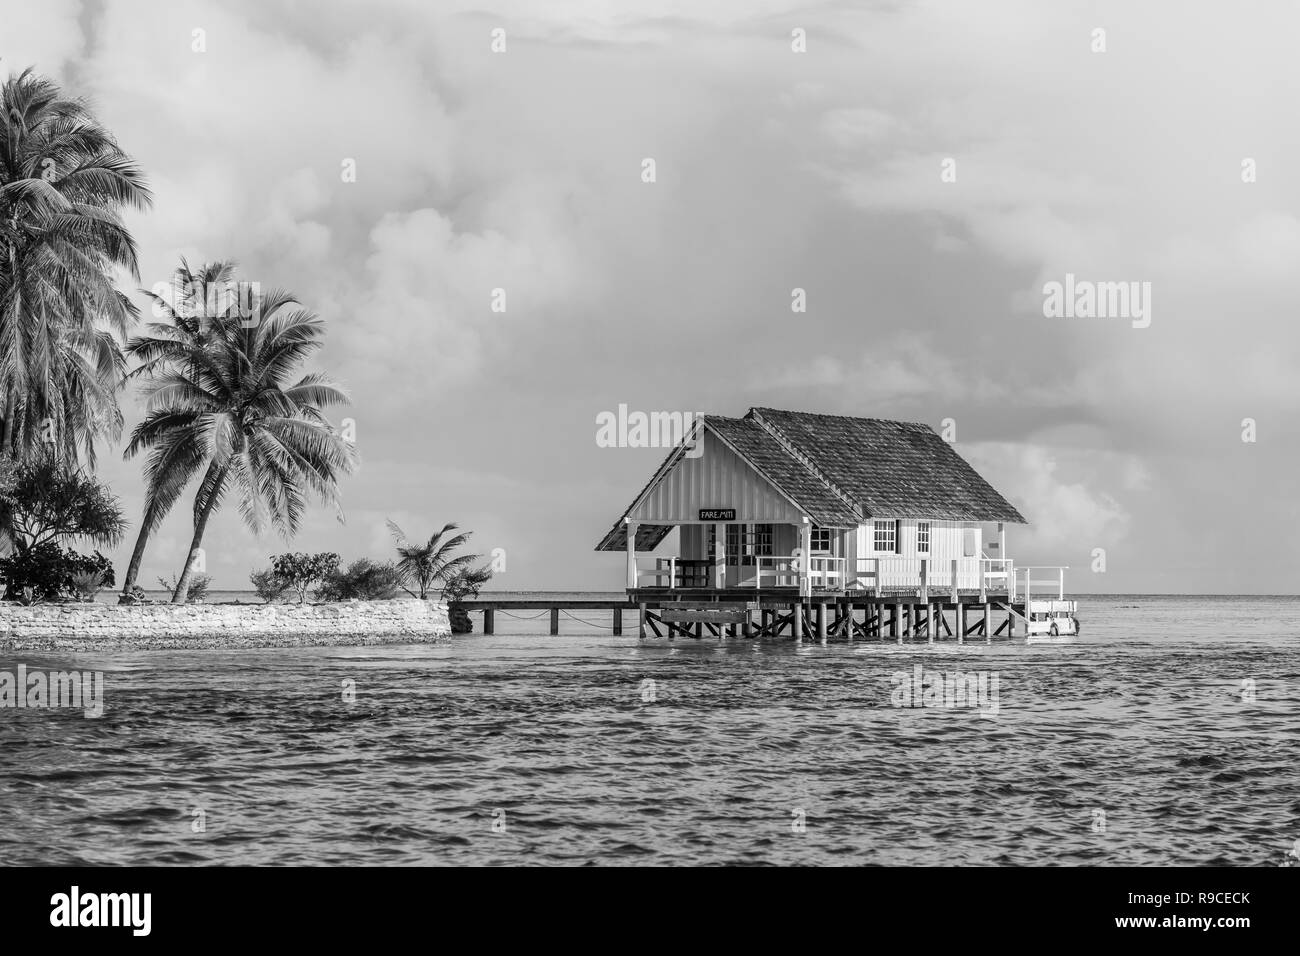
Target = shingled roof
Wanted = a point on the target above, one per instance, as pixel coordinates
(762, 449)
(843, 470)
(890, 469)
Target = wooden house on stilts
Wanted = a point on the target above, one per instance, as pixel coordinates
(791, 522)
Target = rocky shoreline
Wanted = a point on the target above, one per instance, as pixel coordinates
(92, 627)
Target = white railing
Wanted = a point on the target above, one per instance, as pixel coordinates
(998, 574)
(877, 575)
(784, 570)
(923, 575)
(1046, 581)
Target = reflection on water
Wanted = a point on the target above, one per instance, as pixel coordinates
(1169, 733)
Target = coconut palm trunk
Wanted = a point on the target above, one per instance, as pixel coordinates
(182, 592)
(137, 556)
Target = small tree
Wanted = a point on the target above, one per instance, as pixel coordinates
(304, 570)
(43, 501)
(422, 566)
(268, 585)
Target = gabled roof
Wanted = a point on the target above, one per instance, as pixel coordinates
(792, 477)
(841, 471)
(891, 469)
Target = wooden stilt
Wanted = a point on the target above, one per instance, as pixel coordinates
(489, 621)
(896, 625)
(555, 620)
(797, 620)
(618, 621)
(641, 614)
(988, 624)
(821, 622)
(960, 618)
(929, 622)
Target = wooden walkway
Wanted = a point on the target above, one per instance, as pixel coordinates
(902, 618)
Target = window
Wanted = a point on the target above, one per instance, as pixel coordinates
(923, 537)
(744, 543)
(886, 537)
(821, 541)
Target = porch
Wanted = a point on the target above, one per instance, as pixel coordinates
(794, 575)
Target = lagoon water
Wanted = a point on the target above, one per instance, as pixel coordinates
(1168, 734)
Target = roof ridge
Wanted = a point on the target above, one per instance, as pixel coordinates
(755, 416)
(852, 418)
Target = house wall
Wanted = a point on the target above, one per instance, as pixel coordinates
(718, 478)
(946, 540)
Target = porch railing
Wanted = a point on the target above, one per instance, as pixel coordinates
(1046, 582)
(876, 575)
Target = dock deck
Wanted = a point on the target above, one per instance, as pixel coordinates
(783, 613)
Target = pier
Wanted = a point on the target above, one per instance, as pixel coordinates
(824, 618)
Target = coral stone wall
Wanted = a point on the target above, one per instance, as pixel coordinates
(106, 626)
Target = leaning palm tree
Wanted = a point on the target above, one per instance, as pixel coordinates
(168, 345)
(63, 184)
(223, 407)
(424, 565)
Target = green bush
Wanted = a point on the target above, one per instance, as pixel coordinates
(362, 580)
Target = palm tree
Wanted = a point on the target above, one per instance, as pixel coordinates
(426, 564)
(63, 183)
(221, 405)
(165, 347)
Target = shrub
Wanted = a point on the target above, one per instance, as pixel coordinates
(46, 572)
(363, 580)
(198, 587)
(86, 584)
(465, 583)
(304, 570)
(270, 587)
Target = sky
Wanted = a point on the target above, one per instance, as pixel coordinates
(922, 170)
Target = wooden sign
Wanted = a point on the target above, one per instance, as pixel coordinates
(717, 514)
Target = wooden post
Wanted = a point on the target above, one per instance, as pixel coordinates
(805, 545)
(960, 614)
(797, 620)
(631, 554)
(896, 623)
(930, 622)
(555, 620)
(641, 612)
(821, 622)
(489, 622)
(618, 621)
(988, 623)
(719, 556)
(747, 628)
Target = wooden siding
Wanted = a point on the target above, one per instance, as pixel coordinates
(716, 479)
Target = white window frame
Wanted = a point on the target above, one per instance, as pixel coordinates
(889, 529)
(828, 534)
(923, 537)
